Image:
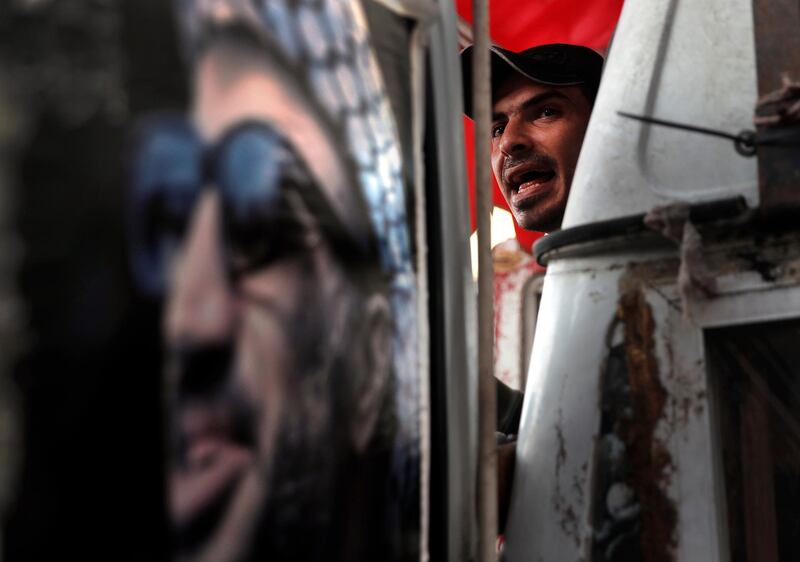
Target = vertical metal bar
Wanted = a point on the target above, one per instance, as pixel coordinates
(454, 455)
(487, 400)
(777, 35)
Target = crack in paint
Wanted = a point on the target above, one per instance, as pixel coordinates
(568, 518)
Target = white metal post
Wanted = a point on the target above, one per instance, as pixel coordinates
(487, 401)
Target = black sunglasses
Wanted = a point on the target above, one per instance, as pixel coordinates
(255, 171)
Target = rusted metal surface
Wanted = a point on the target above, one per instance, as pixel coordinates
(654, 399)
(777, 55)
(650, 458)
(634, 519)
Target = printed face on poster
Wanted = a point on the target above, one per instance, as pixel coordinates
(272, 220)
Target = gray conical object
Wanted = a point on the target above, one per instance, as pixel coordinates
(628, 405)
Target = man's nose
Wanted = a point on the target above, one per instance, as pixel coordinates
(516, 137)
(200, 304)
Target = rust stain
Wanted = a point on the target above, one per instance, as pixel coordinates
(650, 459)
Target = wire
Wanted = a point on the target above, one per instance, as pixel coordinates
(744, 143)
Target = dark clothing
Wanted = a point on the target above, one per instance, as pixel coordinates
(509, 408)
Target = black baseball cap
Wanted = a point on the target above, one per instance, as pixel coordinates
(556, 64)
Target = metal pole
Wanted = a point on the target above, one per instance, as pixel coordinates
(487, 400)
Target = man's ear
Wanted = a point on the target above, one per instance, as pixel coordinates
(374, 370)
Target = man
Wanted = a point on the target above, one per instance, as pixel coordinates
(278, 321)
(541, 102)
(542, 99)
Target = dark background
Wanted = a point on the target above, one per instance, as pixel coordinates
(85, 359)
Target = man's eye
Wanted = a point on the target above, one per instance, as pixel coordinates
(497, 130)
(548, 111)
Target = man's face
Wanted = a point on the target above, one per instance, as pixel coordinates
(537, 132)
(238, 345)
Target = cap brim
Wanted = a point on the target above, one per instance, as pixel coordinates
(553, 73)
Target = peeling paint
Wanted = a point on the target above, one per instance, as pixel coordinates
(650, 458)
(632, 515)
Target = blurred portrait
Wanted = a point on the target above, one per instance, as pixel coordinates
(271, 220)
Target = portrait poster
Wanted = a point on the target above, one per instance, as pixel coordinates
(273, 219)
(218, 333)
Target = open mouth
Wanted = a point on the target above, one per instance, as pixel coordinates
(532, 179)
(527, 182)
(215, 453)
